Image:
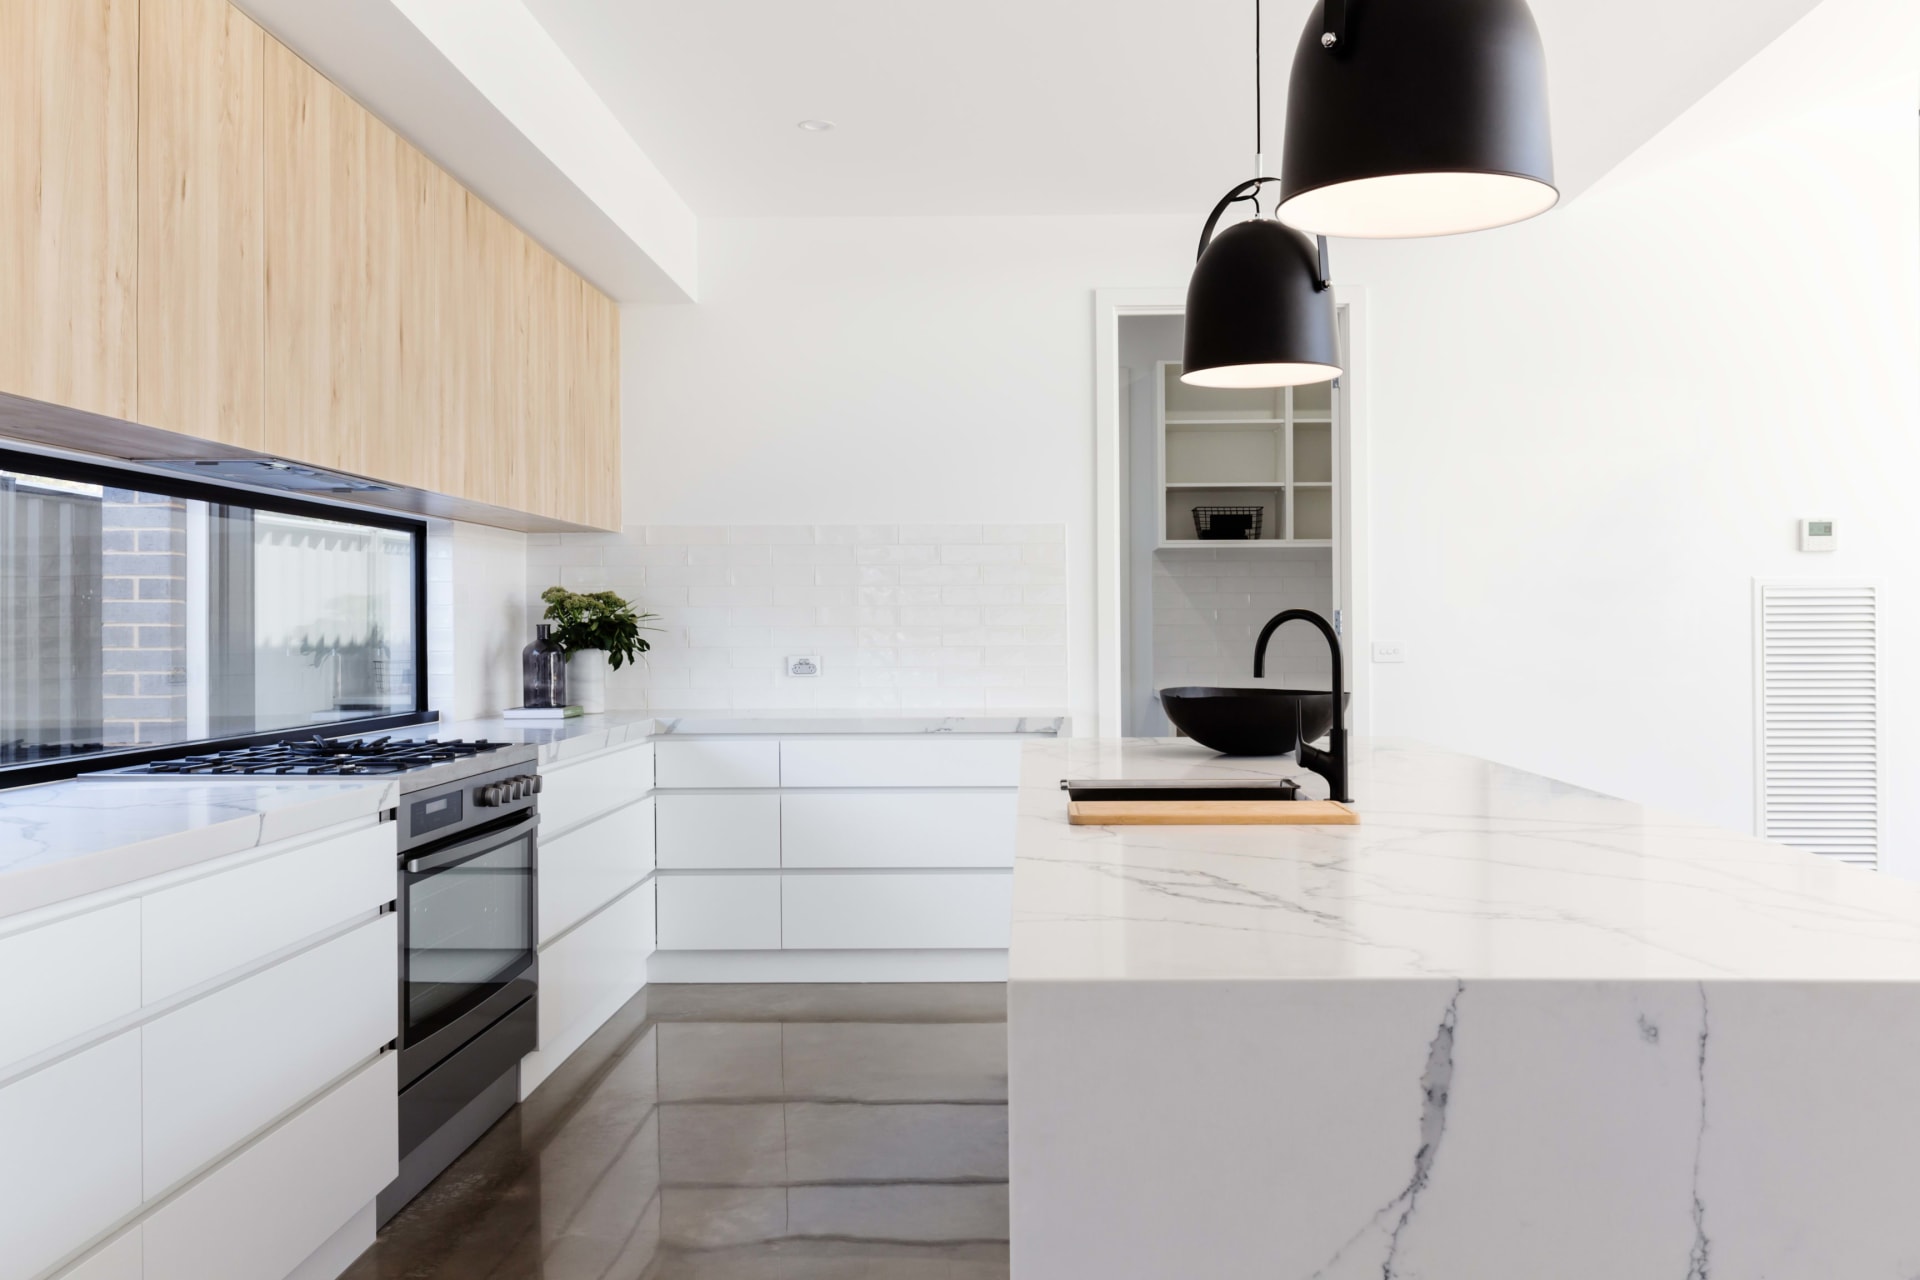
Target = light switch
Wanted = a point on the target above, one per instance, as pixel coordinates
(1389, 651)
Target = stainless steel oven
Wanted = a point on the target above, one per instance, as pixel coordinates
(469, 966)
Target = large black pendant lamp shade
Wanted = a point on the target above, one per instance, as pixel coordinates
(1259, 313)
(1416, 118)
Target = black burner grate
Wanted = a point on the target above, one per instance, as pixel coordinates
(327, 757)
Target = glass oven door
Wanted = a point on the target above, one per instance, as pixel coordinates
(467, 926)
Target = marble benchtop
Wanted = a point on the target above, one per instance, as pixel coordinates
(561, 740)
(64, 840)
(1460, 869)
(67, 839)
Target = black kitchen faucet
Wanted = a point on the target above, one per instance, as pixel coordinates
(1330, 764)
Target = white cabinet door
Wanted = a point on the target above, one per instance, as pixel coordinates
(222, 922)
(222, 1067)
(571, 794)
(69, 1154)
(62, 979)
(897, 828)
(900, 762)
(593, 864)
(716, 762)
(906, 910)
(118, 1259)
(702, 832)
(736, 912)
(595, 969)
(258, 1216)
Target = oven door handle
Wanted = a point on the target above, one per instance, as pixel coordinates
(466, 850)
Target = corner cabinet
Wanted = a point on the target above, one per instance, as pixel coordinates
(204, 235)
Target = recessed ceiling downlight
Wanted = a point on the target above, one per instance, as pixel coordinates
(816, 126)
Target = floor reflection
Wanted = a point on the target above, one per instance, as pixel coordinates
(741, 1133)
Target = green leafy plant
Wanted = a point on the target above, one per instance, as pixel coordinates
(597, 620)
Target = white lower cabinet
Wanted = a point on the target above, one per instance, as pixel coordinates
(897, 828)
(233, 918)
(592, 865)
(717, 762)
(587, 974)
(722, 912)
(719, 829)
(878, 911)
(118, 1259)
(222, 1067)
(571, 794)
(260, 1214)
(61, 980)
(899, 762)
(69, 1154)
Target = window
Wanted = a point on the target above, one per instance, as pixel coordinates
(139, 613)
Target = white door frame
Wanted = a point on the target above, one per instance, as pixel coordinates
(1351, 577)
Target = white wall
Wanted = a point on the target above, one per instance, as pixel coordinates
(1592, 432)
(476, 618)
(886, 371)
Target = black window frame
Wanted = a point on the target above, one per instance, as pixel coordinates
(54, 467)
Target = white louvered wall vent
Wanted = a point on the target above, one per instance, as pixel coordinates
(1817, 664)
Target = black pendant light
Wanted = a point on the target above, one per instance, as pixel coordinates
(1416, 118)
(1259, 309)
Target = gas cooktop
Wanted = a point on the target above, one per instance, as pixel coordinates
(315, 757)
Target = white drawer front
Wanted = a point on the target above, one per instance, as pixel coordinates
(223, 1066)
(119, 1259)
(900, 762)
(259, 1216)
(596, 967)
(69, 1154)
(719, 913)
(923, 910)
(593, 864)
(707, 831)
(207, 927)
(571, 794)
(62, 979)
(897, 828)
(753, 762)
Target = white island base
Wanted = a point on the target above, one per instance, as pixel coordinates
(1504, 1028)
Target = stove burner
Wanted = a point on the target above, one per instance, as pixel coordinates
(317, 757)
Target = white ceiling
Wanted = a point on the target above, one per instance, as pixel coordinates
(1057, 106)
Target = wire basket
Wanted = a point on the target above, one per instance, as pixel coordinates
(1227, 524)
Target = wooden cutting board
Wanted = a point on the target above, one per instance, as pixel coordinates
(1209, 813)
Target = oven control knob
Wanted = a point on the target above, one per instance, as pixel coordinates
(517, 788)
(489, 796)
(538, 783)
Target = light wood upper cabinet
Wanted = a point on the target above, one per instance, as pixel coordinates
(68, 222)
(202, 190)
(199, 232)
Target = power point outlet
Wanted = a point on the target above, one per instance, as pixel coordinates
(804, 665)
(1389, 651)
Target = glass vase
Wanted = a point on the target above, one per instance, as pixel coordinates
(543, 671)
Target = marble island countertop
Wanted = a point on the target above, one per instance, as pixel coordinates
(1460, 868)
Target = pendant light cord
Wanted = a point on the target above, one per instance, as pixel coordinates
(1258, 115)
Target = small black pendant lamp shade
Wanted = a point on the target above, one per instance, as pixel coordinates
(1416, 118)
(1258, 312)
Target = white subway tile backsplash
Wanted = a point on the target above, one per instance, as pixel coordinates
(933, 616)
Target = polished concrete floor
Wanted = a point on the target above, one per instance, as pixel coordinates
(740, 1133)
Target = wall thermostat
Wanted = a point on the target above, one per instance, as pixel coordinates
(1817, 535)
(805, 665)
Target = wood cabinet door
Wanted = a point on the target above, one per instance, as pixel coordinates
(68, 211)
(202, 187)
